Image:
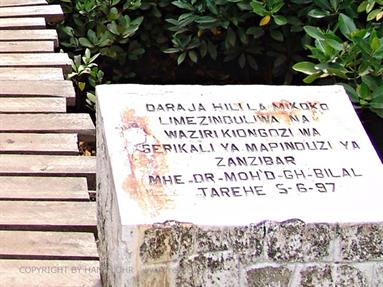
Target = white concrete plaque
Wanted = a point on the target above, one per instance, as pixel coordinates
(233, 155)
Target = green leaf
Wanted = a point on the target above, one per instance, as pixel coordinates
(362, 6)
(351, 93)
(346, 25)
(181, 58)
(68, 30)
(230, 38)
(256, 32)
(276, 6)
(307, 68)
(377, 102)
(193, 56)
(258, 8)
(113, 14)
(212, 6)
(203, 49)
(337, 71)
(372, 15)
(85, 42)
(363, 92)
(87, 53)
(280, 20)
(379, 112)
(377, 94)
(334, 4)
(171, 50)
(318, 13)
(212, 50)
(375, 44)
(183, 5)
(323, 4)
(314, 32)
(206, 20)
(312, 78)
(370, 6)
(334, 44)
(276, 35)
(81, 85)
(371, 82)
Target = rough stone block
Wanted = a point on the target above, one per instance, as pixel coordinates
(378, 275)
(268, 276)
(248, 242)
(155, 276)
(361, 242)
(167, 242)
(295, 241)
(215, 269)
(211, 239)
(316, 276)
(347, 275)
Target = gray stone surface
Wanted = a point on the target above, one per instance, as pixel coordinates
(378, 274)
(209, 270)
(268, 277)
(248, 242)
(347, 275)
(361, 242)
(317, 276)
(295, 241)
(167, 242)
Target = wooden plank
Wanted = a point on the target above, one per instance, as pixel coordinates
(47, 245)
(34, 74)
(46, 165)
(49, 273)
(22, 23)
(29, 35)
(12, 3)
(26, 47)
(48, 215)
(43, 188)
(29, 143)
(52, 13)
(62, 89)
(60, 60)
(32, 105)
(43, 123)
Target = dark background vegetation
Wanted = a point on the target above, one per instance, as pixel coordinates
(229, 42)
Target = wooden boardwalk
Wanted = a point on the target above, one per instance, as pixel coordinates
(47, 219)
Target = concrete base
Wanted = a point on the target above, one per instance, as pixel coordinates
(290, 253)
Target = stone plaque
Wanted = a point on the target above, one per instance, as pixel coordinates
(233, 155)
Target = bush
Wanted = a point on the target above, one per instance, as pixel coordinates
(350, 51)
(229, 41)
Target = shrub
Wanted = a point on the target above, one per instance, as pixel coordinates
(350, 51)
(230, 41)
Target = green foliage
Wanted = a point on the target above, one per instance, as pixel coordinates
(349, 50)
(256, 35)
(86, 75)
(252, 41)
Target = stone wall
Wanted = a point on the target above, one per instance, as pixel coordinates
(290, 253)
